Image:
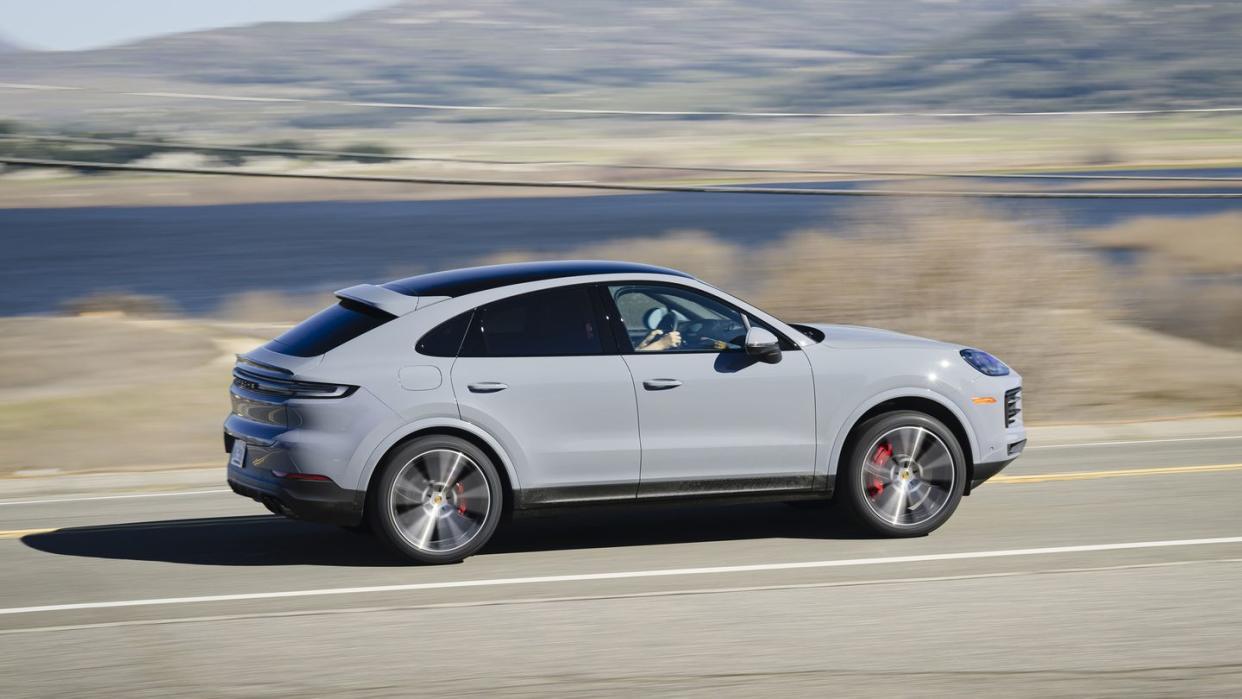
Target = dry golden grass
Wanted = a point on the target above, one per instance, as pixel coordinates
(42, 357)
(272, 306)
(115, 392)
(1187, 281)
(1170, 297)
(1210, 244)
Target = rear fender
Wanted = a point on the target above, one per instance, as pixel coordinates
(377, 454)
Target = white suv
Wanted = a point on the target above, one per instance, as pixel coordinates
(426, 407)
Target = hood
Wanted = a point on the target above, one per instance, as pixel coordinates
(857, 336)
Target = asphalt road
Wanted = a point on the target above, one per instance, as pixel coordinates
(1104, 569)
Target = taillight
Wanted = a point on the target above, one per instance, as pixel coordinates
(287, 387)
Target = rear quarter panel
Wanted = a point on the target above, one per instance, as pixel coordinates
(415, 388)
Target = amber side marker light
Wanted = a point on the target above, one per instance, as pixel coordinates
(983, 400)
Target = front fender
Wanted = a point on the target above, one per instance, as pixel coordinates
(843, 431)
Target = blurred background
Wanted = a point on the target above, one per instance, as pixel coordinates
(1058, 182)
(125, 286)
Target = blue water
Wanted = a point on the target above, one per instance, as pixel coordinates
(198, 255)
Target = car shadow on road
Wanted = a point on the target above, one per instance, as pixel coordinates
(266, 540)
(269, 540)
(672, 523)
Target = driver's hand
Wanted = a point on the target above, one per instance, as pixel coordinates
(658, 340)
(668, 340)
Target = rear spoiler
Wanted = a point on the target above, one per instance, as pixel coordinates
(387, 300)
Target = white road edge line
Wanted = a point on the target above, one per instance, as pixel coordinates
(127, 496)
(337, 611)
(622, 575)
(1132, 441)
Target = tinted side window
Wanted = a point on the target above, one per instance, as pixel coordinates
(329, 328)
(556, 322)
(444, 340)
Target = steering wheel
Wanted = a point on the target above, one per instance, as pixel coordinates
(668, 322)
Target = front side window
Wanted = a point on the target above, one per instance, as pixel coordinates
(556, 322)
(665, 318)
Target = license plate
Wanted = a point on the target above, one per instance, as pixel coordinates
(237, 459)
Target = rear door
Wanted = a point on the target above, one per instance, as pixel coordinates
(712, 419)
(539, 371)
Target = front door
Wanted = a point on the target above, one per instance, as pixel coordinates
(711, 418)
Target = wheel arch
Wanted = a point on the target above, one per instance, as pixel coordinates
(928, 403)
(453, 428)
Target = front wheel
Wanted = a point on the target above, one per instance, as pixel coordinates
(904, 475)
(438, 499)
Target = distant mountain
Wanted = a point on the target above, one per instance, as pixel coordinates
(1125, 54)
(704, 53)
(696, 54)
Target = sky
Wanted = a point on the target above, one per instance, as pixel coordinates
(67, 25)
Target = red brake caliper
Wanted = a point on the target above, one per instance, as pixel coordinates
(461, 500)
(875, 486)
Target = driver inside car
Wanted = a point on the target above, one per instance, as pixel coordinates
(663, 334)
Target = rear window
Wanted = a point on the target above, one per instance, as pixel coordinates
(329, 328)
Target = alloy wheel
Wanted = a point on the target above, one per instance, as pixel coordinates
(908, 476)
(439, 500)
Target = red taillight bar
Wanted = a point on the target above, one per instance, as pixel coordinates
(302, 477)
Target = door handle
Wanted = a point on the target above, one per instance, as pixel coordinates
(660, 384)
(487, 387)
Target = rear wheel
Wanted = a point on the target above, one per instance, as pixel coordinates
(904, 475)
(438, 499)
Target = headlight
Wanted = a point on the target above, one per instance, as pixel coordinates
(984, 362)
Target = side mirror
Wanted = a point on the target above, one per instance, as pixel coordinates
(763, 345)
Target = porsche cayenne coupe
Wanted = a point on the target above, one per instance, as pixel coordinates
(426, 408)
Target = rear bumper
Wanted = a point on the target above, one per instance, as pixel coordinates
(314, 501)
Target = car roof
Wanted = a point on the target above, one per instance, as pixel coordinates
(459, 282)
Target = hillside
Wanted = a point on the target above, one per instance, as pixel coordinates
(706, 55)
(1130, 54)
(719, 54)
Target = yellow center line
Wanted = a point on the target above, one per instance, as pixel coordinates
(1114, 473)
(19, 533)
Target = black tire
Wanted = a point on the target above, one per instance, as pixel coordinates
(384, 504)
(862, 490)
(362, 528)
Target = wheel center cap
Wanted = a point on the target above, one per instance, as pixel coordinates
(437, 499)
